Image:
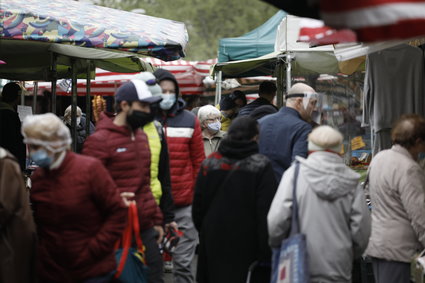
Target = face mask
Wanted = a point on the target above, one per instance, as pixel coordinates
(214, 127)
(137, 119)
(168, 101)
(78, 121)
(421, 157)
(41, 158)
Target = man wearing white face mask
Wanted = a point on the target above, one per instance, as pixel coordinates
(284, 134)
(209, 117)
(186, 151)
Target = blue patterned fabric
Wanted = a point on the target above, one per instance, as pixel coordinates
(88, 25)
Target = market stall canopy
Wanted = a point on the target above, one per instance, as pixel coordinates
(371, 20)
(88, 25)
(32, 60)
(253, 44)
(189, 75)
(305, 60)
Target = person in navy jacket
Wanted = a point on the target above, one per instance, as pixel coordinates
(284, 134)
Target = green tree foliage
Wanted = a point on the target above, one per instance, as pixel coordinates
(206, 20)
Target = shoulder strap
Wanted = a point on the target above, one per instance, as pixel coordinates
(295, 225)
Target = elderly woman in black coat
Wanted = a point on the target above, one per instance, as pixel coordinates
(233, 193)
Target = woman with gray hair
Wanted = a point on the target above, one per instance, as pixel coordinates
(77, 208)
(209, 118)
(81, 126)
(331, 208)
(397, 183)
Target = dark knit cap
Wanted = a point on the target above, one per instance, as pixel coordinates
(237, 94)
(227, 103)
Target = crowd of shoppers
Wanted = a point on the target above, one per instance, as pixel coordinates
(220, 179)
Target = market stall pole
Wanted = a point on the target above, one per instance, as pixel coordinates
(279, 82)
(54, 78)
(74, 106)
(218, 88)
(34, 100)
(88, 99)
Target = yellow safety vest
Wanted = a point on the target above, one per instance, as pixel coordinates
(225, 122)
(155, 147)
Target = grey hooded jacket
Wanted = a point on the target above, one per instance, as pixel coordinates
(332, 212)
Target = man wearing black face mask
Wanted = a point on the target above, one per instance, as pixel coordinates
(124, 150)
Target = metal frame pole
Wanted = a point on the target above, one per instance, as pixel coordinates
(218, 77)
(54, 79)
(280, 82)
(288, 72)
(74, 106)
(34, 98)
(88, 99)
(23, 97)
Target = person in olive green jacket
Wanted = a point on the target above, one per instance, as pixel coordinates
(209, 118)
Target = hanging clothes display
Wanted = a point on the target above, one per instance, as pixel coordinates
(394, 85)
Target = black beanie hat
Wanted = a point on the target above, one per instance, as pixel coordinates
(227, 103)
(162, 75)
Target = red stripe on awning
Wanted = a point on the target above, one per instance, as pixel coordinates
(347, 5)
(403, 29)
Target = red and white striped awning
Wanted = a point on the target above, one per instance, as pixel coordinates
(371, 20)
(189, 75)
(376, 20)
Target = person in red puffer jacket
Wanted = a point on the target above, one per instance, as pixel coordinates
(186, 151)
(78, 211)
(124, 150)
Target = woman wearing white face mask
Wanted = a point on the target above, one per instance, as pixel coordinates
(209, 117)
(78, 211)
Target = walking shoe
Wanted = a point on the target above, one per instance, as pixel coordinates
(168, 266)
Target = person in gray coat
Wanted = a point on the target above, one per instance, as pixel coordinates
(397, 193)
(332, 209)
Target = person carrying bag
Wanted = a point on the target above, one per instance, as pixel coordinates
(290, 261)
(131, 260)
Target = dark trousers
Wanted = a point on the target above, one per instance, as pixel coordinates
(386, 271)
(153, 256)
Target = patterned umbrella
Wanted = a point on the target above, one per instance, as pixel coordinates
(88, 25)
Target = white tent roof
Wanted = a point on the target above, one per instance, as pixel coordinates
(288, 32)
(349, 51)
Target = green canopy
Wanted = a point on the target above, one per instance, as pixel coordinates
(28, 60)
(253, 44)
